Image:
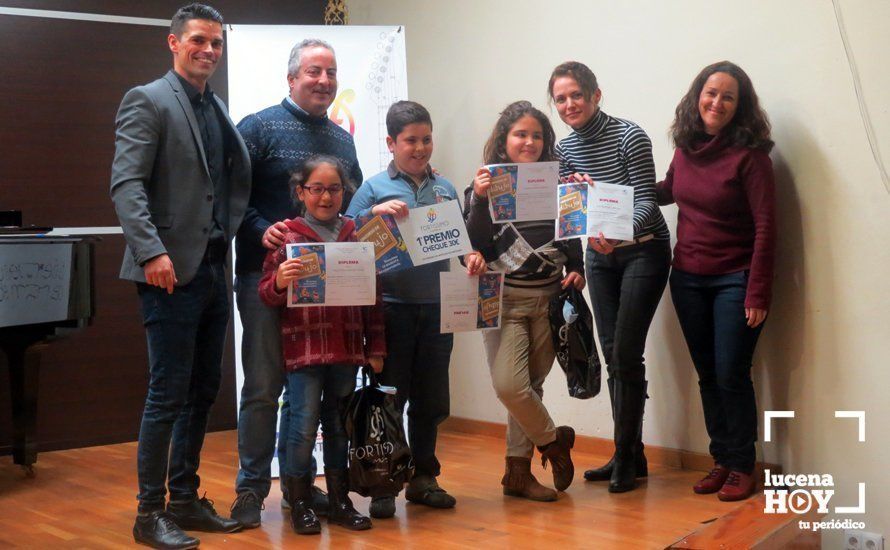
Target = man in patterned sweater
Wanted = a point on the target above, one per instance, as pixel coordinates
(279, 139)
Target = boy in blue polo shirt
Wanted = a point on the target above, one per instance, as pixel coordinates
(417, 352)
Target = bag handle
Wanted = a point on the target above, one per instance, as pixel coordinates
(369, 378)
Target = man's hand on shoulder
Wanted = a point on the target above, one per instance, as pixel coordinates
(274, 235)
(159, 272)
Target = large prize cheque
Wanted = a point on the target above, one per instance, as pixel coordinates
(427, 234)
(333, 274)
(470, 302)
(588, 210)
(522, 192)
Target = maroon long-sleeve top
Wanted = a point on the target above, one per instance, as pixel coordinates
(726, 222)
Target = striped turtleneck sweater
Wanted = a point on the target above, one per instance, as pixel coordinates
(614, 150)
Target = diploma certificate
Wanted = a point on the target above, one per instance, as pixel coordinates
(470, 302)
(435, 232)
(587, 210)
(522, 192)
(390, 250)
(333, 274)
(610, 211)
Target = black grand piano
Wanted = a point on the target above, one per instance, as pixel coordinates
(46, 293)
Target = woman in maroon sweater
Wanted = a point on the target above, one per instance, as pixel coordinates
(721, 179)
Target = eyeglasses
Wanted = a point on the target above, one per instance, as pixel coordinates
(319, 190)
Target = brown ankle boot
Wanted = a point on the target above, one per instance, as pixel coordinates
(559, 454)
(519, 481)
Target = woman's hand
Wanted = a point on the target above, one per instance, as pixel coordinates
(577, 177)
(394, 207)
(481, 183)
(601, 244)
(575, 279)
(755, 316)
(376, 363)
(287, 272)
(475, 263)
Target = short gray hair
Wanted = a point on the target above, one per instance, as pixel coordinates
(293, 64)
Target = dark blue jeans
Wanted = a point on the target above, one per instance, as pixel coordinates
(315, 392)
(186, 333)
(417, 357)
(711, 310)
(264, 379)
(625, 288)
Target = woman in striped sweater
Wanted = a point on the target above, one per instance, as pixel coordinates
(521, 353)
(627, 278)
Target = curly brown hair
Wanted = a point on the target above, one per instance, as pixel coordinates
(495, 150)
(749, 126)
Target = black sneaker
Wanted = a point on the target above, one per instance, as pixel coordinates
(246, 509)
(199, 515)
(157, 529)
(425, 490)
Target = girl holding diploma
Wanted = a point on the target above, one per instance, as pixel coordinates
(521, 353)
(322, 346)
(721, 179)
(627, 278)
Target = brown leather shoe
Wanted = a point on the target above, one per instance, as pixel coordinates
(738, 486)
(559, 454)
(518, 481)
(712, 482)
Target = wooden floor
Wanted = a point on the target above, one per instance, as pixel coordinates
(86, 498)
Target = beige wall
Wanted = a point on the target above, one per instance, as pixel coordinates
(826, 343)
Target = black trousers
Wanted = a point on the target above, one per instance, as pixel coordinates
(625, 288)
(417, 357)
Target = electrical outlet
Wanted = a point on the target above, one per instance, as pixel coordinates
(872, 541)
(853, 540)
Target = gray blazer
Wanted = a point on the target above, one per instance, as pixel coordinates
(160, 182)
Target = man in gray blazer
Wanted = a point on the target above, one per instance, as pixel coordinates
(180, 184)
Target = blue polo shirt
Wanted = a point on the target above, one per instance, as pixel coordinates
(418, 285)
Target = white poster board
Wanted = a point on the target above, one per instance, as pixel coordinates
(34, 283)
(371, 76)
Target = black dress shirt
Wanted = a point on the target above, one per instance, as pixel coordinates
(210, 123)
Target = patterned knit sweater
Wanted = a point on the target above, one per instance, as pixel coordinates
(321, 335)
(613, 150)
(279, 139)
